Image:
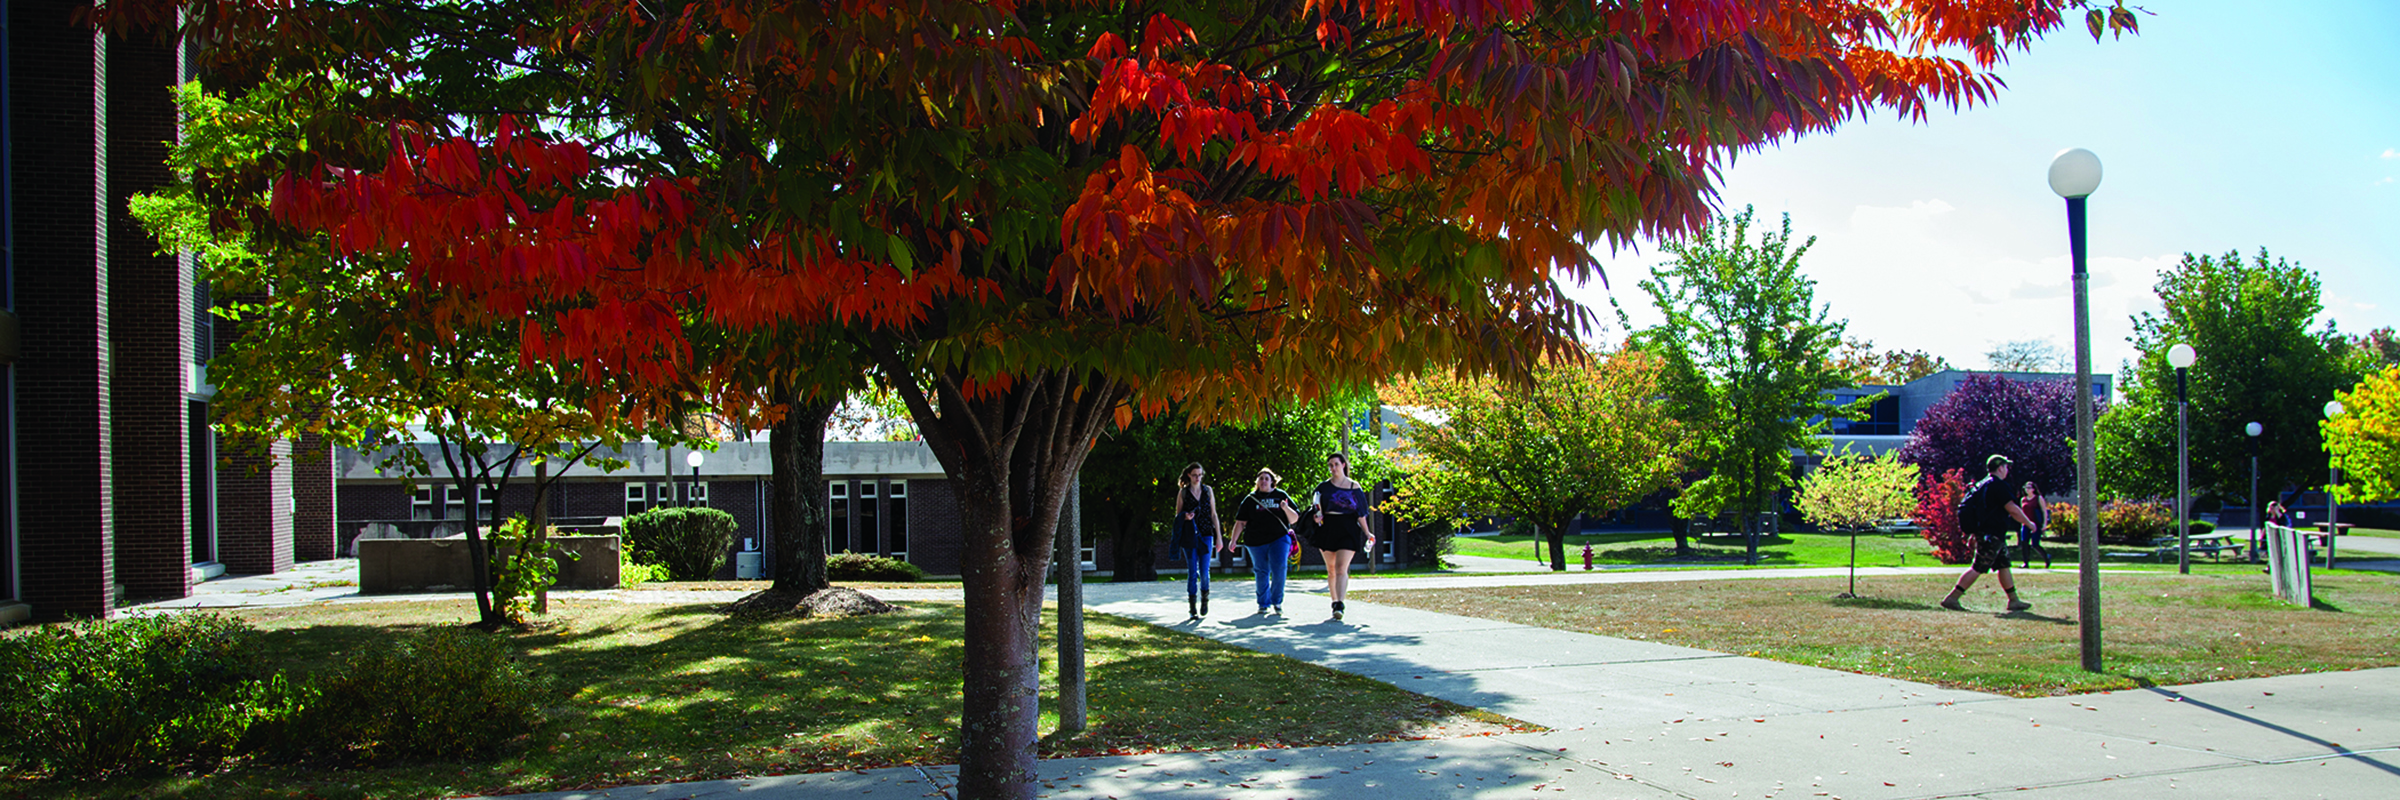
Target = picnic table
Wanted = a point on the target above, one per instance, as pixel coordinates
(2320, 533)
(2213, 543)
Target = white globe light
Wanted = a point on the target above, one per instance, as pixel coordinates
(2254, 429)
(694, 459)
(2333, 408)
(2182, 356)
(2074, 173)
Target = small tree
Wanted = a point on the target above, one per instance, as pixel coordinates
(1589, 436)
(1858, 359)
(1850, 493)
(1853, 493)
(1937, 516)
(2365, 440)
(2026, 355)
(2031, 422)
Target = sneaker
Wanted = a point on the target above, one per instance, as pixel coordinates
(2018, 605)
(1262, 611)
(1952, 604)
(1337, 609)
(1279, 611)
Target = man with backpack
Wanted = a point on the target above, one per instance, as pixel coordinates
(1988, 512)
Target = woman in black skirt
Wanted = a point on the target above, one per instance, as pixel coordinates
(1341, 520)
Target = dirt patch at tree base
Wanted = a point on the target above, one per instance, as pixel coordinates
(832, 602)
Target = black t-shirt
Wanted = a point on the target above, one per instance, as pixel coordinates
(1264, 513)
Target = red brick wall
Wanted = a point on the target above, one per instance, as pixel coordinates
(57, 97)
(312, 495)
(254, 508)
(149, 334)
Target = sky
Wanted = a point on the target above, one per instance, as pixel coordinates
(2223, 126)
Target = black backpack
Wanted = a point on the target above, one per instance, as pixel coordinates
(1981, 510)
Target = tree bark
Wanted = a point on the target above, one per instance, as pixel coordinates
(1012, 449)
(1556, 535)
(796, 491)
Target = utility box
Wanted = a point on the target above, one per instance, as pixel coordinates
(746, 566)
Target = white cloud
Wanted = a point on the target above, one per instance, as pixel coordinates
(2384, 181)
(2391, 152)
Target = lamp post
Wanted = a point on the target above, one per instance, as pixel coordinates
(2256, 513)
(693, 458)
(2074, 174)
(2333, 508)
(2182, 357)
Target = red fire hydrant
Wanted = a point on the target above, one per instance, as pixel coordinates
(1587, 557)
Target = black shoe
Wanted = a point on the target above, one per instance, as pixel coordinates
(1204, 603)
(1192, 604)
(1337, 609)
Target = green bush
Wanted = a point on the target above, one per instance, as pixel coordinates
(631, 573)
(1428, 543)
(90, 697)
(444, 693)
(691, 542)
(2135, 523)
(863, 567)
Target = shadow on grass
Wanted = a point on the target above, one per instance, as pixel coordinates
(1881, 603)
(2322, 604)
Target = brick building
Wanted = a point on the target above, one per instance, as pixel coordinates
(109, 485)
(884, 498)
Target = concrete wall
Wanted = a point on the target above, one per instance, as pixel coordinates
(388, 566)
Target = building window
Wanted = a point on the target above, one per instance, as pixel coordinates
(454, 503)
(420, 504)
(203, 480)
(897, 506)
(837, 517)
(637, 498)
(869, 534)
(695, 493)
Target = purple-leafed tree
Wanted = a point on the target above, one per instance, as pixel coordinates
(2031, 422)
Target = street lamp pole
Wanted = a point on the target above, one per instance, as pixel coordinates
(2333, 507)
(2074, 174)
(2256, 513)
(692, 497)
(2182, 357)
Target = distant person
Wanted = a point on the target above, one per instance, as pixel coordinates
(1195, 535)
(1984, 514)
(2029, 537)
(1341, 519)
(2277, 516)
(1263, 525)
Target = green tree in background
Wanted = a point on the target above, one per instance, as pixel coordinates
(1748, 362)
(1585, 437)
(2365, 440)
(1867, 366)
(2263, 358)
(1129, 479)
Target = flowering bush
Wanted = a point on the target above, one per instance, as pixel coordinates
(2135, 522)
(1937, 516)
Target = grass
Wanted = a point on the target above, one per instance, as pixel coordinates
(645, 694)
(1788, 550)
(2159, 629)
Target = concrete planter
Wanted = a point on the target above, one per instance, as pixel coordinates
(399, 566)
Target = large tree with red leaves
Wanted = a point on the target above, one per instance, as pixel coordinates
(1035, 218)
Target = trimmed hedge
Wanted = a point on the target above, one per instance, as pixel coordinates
(691, 542)
(863, 567)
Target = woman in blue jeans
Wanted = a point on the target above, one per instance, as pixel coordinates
(1196, 534)
(1263, 524)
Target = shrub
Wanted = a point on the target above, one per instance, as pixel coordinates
(2063, 516)
(691, 542)
(1937, 516)
(630, 572)
(444, 693)
(96, 696)
(863, 567)
(1428, 543)
(2135, 523)
(522, 566)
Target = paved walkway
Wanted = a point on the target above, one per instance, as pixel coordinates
(1644, 720)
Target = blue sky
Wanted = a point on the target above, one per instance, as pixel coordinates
(2223, 126)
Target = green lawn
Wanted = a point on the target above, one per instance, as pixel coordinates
(2159, 628)
(646, 694)
(1793, 550)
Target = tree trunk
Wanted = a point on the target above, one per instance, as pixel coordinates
(796, 492)
(1555, 533)
(1012, 449)
(539, 533)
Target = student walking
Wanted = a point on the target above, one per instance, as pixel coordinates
(1341, 519)
(1195, 535)
(2029, 537)
(1984, 514)
(1263, 525)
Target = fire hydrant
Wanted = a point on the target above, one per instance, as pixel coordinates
(1587, 557)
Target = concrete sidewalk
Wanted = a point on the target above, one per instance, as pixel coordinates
(1643, 720)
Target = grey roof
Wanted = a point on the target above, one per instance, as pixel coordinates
(729, 460)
